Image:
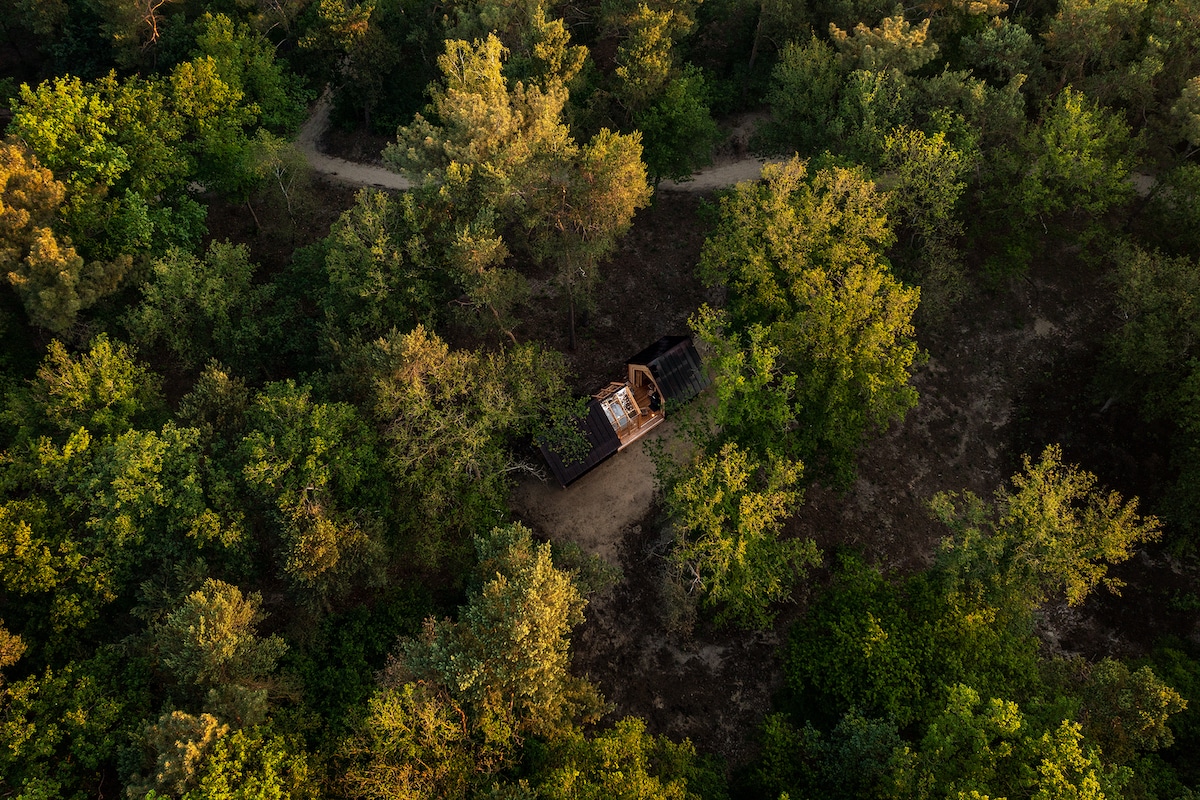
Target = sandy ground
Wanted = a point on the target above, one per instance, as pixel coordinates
(596, 509)
(339, 169)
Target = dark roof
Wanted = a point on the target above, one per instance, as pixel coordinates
(600, 435)
(675, 365)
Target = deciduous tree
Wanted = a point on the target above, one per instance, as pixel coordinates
(801, 258)
(1053, 533)
(728, 509)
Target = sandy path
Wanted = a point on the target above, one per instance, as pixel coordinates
(721, 175)
(595, 510)
(357, 174)
(339, 169)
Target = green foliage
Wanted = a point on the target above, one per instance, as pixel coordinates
(728, 510)
(1053, 533)
(587, 210)
(412, 743)
(315, 464)
(506, 659)
(889, 649)
(1079, 158)
(1157, 298)
(1125, 711)
(1151, 358)
(198, 758)
(801, 257)
(1173, 211)
(871, 106)
(211, 641)
(1001, 52)
(929, 173)
(339, 664)
(856, 759)
(63, 726)
(1177, 666)
(181, 743)
(644, 58)
(203, 308)
(493, 143)
(104, 390)
(625, 763)
(454, 707)
(253, 764)
(678, 131)
(118, 146)
(447, 417)
(1131, 54)
(971, 746)
(378, 262)
(895, 44)
(53, 281)
(805, 85)
(501, 147)
(246, 59)
(1068, 771)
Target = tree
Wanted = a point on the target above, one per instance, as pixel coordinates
(872, 105)
(1125, 711)
(1157, 298)
(929, 174)
(314, 464)
(623, 762)
(211, 641)
(202, 308)
(447, 418)
(579, 219)
(105, 390)
(181, 743)
(1068, 771)
(803, 95)
(118, 147)
(382, 267)
(1052, 533)
(678, 131)
(801, 258)
(1079, 159)
(728, 510)
(505, 148)
(52, 279)
(63, 727)
(974, 745)
(506, 659)
(413, 743)
(895, 45)
(890, 647)
(255, 764)
(493, 144)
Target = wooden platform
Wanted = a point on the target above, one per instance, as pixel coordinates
(633, 420)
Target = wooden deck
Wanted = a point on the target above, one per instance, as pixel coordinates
(635, 425)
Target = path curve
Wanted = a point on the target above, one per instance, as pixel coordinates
(340, 170)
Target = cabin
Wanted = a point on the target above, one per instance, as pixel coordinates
(666, 374)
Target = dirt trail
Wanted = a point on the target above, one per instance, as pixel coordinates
(725, 172)
(339, 169)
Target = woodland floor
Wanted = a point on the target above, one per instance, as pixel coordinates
(1008, 372)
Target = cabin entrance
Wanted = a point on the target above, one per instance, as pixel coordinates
(629, 409)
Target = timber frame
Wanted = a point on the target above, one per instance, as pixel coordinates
(667, 373)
